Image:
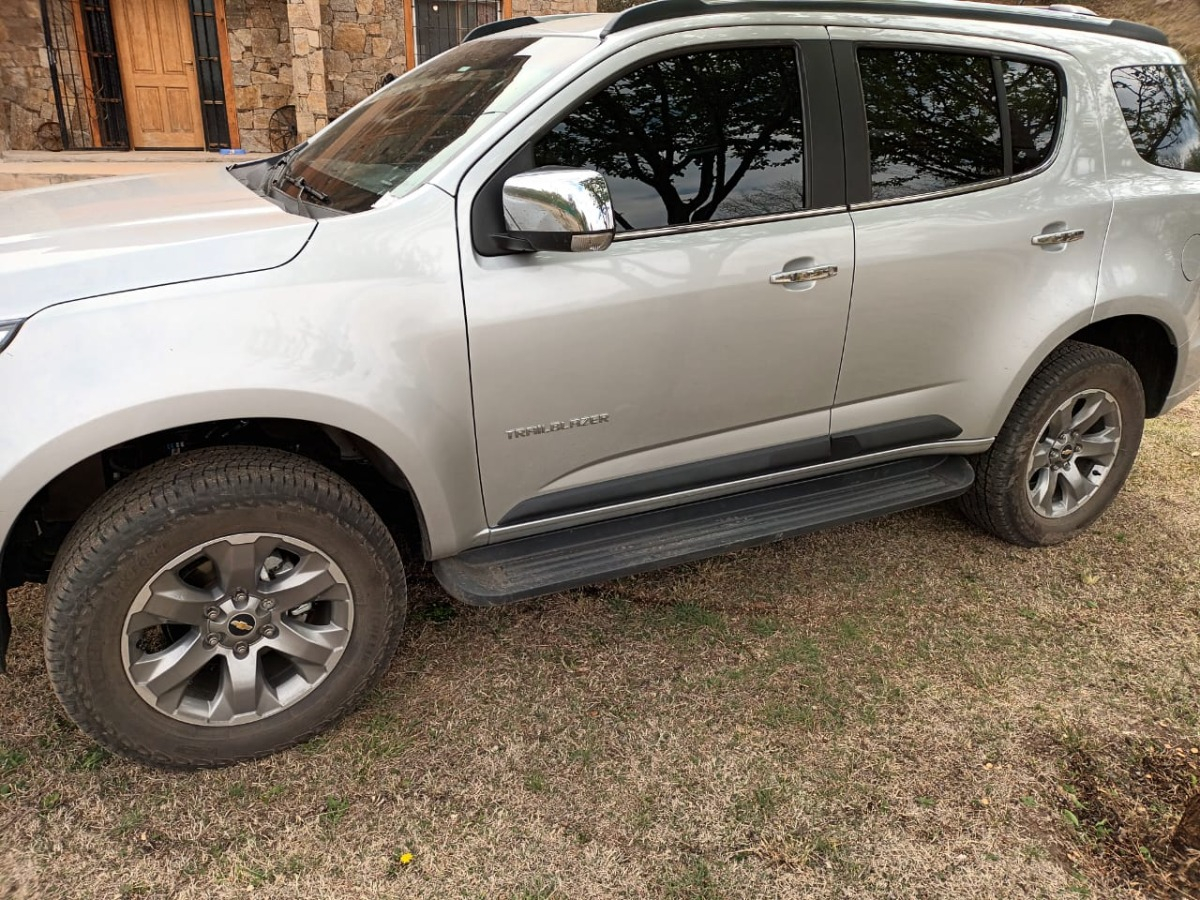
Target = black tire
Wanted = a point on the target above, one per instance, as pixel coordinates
(144, 524)
(999, 501)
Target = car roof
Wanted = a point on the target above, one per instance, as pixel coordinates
(1058, 17)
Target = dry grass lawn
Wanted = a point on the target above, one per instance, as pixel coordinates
(900, 709)
(904, 708)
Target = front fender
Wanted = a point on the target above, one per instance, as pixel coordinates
(364, 332)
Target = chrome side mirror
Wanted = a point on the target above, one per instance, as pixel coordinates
(557, 209)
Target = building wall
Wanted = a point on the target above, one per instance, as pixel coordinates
(551, 7)
(260, 55)
(366, 42)
(321, 56)
(26, 94)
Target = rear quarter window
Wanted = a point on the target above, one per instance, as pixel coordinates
(1162, 113)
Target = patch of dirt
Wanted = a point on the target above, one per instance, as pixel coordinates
(1123, 802)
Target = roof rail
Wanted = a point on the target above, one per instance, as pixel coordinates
(662, 10)
(498, 26)
(520, 22)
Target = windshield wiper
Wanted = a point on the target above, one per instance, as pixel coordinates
(303, 187)
(280, 166)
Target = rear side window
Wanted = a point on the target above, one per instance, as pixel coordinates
(1033, 97)
(699, 137)
(1161, 110)
(934, 118)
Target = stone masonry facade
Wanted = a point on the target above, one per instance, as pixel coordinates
(261, 60)
(318, 56)
(26, 94)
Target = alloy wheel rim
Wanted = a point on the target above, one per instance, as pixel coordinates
(237, 629)
(1074, 453)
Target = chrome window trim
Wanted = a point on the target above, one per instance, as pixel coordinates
(687, 495)
(966, 188)
(726, 223)
(934, 195)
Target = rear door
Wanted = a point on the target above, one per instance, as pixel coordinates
(976, 180)
(668, 365)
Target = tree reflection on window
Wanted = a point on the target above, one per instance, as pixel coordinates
(1033, 96)
(694, 138)
(1161, 110)
(933, 120)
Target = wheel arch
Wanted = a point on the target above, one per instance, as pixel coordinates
(1147, 344)
(39, 528)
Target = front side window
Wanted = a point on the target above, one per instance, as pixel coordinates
(700, 137)
(933, 120)
(1163, 115)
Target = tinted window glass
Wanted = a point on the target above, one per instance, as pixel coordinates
(933, 120)
(694, 138)
(1161, 111)
(397, 137)
(1033, 93)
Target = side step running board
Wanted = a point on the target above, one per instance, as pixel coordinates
(545, 563)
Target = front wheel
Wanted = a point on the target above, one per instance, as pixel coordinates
(221, 605)
(1064, 451)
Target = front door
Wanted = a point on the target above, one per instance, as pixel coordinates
(158, 71)
(669, 364)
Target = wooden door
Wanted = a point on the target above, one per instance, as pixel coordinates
(158, 71)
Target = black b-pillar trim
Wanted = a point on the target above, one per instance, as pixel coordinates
(854, 123)
(825, 178)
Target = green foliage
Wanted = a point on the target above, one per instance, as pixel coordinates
(335, 809)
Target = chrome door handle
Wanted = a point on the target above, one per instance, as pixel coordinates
(797, 276)
(1055, 238)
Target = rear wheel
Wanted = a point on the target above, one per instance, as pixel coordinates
(1065, 450)
(221, 605)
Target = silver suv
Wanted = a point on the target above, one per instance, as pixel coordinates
(584, 296)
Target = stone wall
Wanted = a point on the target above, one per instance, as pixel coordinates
(260, 54)
(366, 43)
(551, 7)
(321, 56)
(309, 22)
(26, 94)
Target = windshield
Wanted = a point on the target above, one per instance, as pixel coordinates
(394, 140)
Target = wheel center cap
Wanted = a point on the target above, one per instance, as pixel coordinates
(1067, 452)
(242, 625)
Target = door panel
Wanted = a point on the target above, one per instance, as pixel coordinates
(668, 361)
(158, 69)
(679, 343)
(953, 304)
